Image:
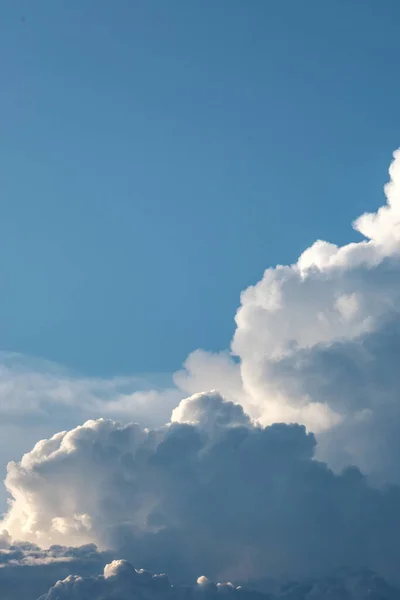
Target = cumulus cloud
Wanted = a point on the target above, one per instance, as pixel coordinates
(38, 398)
(120, 581)
(215, 494)
(316, 343)
(28, 572)
(308, 339)
(210, 412)
(232, 488)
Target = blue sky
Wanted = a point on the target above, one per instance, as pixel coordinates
(157, 156)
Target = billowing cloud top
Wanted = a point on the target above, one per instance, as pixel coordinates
(317, 343)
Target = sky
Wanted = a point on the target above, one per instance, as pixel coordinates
(200, 322)
(156, 158)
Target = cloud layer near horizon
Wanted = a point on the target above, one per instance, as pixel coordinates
(27, 571)
(61, 573)
(121, 581)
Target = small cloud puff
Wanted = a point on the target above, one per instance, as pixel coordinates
(209, 411)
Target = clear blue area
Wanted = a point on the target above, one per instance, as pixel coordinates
(157, 155)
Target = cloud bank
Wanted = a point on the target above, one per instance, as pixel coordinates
(209, 492)
(27, 571)
(120, 581)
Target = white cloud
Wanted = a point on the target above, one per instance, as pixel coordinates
(309, 338)
(40, 388)
(209, 413)
(332, 296)
(38, 397)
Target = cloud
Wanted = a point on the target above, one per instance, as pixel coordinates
(209, 412)
(238, 488)
(316, 343)
(43, 390)
(120, 580)
(27, 571)
(308, 339)
(215, 494)
(38, 397)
